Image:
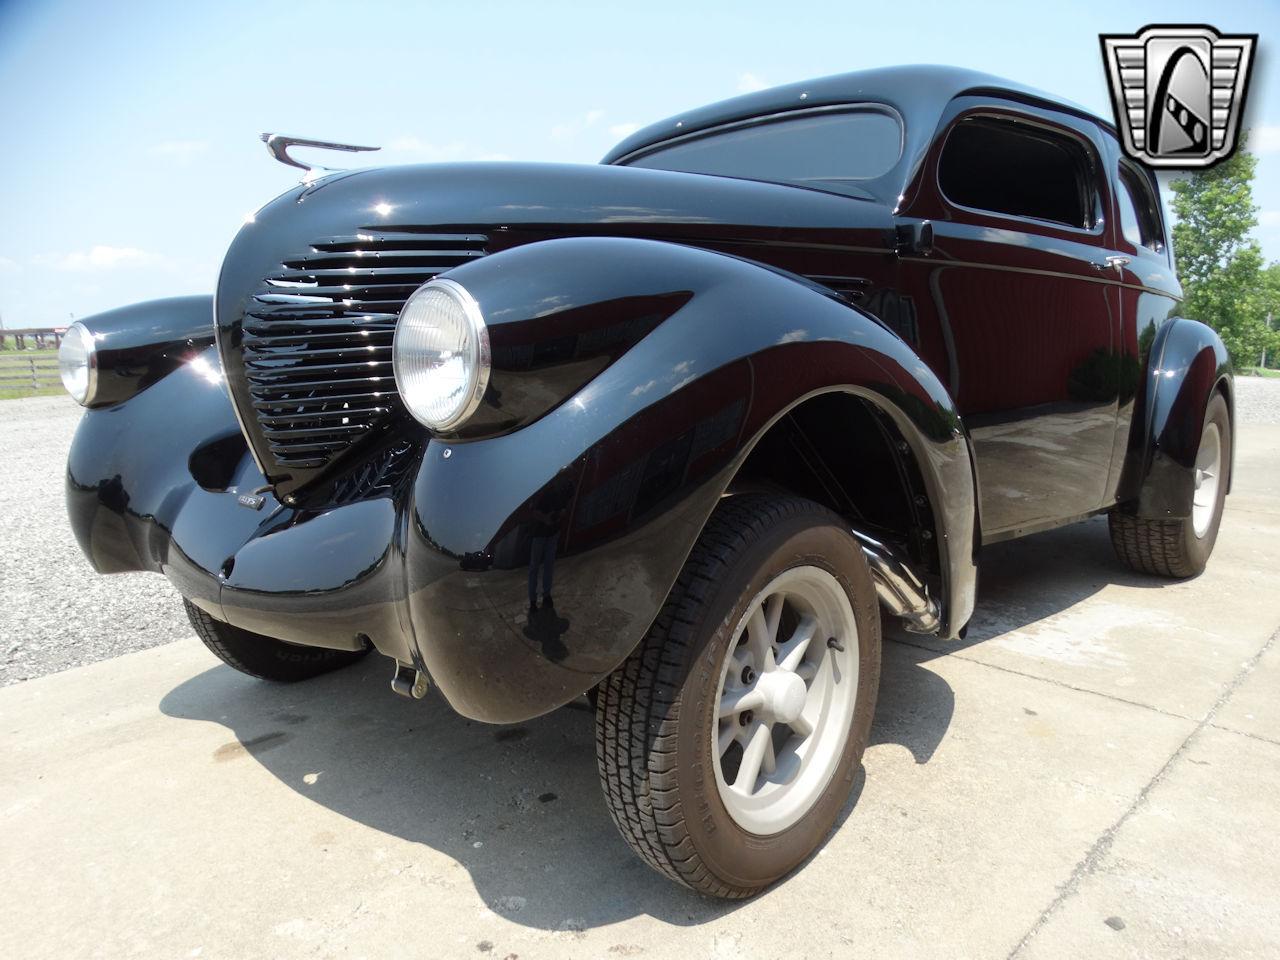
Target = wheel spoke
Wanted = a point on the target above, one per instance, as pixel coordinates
(753, 756)
(792, 652)
(822, 681)
(800, 726)
(759, 640)
(773, 614)
(807, 670)
(735, 701)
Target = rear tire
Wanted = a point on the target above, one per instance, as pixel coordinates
(265, 657)
(1181, 547)
(766, 572)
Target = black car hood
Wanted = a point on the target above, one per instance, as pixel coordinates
(497, 197)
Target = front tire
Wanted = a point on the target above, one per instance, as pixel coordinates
(265, 657)
(1181, 547)
(728, 741)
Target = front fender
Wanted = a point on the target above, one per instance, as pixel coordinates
(1188, 362)
(141, 344)
(636, 458)
(158, 482)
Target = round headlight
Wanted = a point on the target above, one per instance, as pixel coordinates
(440, 354)
(78, 363)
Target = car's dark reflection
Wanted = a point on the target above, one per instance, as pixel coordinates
(529, 794)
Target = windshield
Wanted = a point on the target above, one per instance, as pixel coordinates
(810, 150)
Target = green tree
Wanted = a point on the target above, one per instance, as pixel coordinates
(1219, 265)
(1269, 309)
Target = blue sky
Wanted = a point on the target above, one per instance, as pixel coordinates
(130, 130)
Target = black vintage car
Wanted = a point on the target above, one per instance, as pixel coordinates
(670, 432)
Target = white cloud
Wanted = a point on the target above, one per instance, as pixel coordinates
(1269, 218)
(8, 266)
(181, 149)
(100, 257)
(621, 130)
(423, 151)
(571, 128)
(1265, 139)
(750, 83)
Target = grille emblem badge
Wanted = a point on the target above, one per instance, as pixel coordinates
(251, 500)
(1178, 92)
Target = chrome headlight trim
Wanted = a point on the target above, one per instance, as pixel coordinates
(477, 357)
(78, 363)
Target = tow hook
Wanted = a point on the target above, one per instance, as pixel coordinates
(409, 681)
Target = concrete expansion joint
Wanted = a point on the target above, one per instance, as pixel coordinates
(1242, 733)
(1049, 680)
(1103, 844)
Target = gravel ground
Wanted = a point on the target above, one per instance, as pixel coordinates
(56, 613)
(1258, 399)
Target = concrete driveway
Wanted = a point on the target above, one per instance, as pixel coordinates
(1094, 772)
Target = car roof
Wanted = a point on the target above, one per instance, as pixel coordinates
(916, 92)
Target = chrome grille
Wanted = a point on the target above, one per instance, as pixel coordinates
(317, 337)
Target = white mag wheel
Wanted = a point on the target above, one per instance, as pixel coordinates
(1208, 476)
(787, 694)
(729, 740)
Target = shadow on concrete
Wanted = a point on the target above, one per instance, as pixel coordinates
(1021, 582)
(519, 807)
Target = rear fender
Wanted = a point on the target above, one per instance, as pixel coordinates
(640, 455)
(1188, 363)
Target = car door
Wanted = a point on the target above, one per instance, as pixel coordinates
(1017, 288)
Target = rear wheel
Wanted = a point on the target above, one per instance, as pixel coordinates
(265, 657)
(1181, 547)
(728, 741)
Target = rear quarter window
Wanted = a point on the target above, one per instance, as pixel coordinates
(1140, 221)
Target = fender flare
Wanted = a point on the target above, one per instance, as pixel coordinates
(646, 448)
(1187, 364)
(139, 345)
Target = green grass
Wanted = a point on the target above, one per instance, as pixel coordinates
(8, 393)
(1259, 372)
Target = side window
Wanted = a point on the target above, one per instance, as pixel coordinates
(1139, 214)
(809, 150)
(1130, 228)
(1018, 169)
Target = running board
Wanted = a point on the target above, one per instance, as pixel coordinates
(901, 592)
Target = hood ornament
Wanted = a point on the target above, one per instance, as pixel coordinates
(278, 146)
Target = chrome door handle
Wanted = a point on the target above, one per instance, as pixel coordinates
(1112, 263)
